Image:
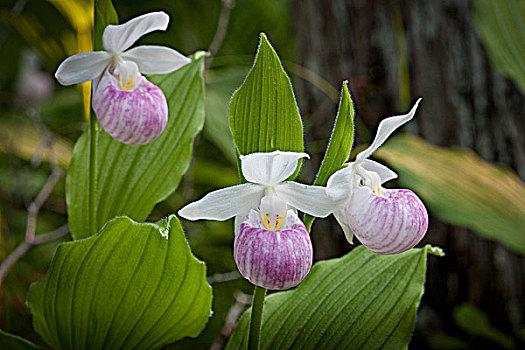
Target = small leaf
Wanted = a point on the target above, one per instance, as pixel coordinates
(14, 342)
(133, 286)
(475, 322)
(340, 143)
(132, 179)
(105, 15)
(501, 26)
(461, 188)
(263, 113)
(360, 301)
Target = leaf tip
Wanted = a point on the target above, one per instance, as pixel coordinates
(437, 251)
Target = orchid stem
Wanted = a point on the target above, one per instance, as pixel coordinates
(256, 320)
(92, 173)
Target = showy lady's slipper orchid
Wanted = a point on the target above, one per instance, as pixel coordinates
(272, 246)
(386, 221)
(129, 108)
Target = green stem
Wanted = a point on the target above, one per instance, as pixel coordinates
(92, 173)
(256, 320)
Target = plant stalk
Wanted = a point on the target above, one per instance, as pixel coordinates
(92, 173)
(256, 320)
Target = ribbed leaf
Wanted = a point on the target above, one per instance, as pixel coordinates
(132, 179)
(340, 144)
(501, 26)
(263, 113)
(14, 342)
(360, 301)
(133, 286)
(461, 188)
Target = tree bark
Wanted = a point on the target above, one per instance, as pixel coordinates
(387, 49)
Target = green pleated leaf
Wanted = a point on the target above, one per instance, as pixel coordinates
(132, 286)
(340, 143)
(132, 179)
(263, 113)
(360, 301)
(105, 15)
(13, 342)
(501, 26)
(461, 188)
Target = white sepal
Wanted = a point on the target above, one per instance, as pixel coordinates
(270, 168)
(82, 67)
(311, 200)
(384, 172)
(118, 38)
(340, 216)
(152, 59)
(385, 129)
(340, 183)
(224, 203)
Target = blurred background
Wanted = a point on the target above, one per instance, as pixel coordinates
(464, 153)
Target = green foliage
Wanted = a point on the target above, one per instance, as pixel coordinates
(13, 342)
(501, 26)
(132, 179)
(475, 322)
(360, 301)
(263, 113)
(340, 143)
(462, 189)
(105, 15)
(131, 286)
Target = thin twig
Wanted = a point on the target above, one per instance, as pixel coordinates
(220, 33)
(34, 207)
(232, 318)
(22, 249)
(40, 199)
(223, 277)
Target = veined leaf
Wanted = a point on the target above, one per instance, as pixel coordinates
(14, 342)
(360, 301)
(132, 179)
(340, 144)
(263, 113)
(501, 26)
(132, 286)
(461, 188)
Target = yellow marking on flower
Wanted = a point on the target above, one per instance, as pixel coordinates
(127, 86)
(279, 222)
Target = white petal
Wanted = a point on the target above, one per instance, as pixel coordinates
(118, 38)
(156, 59)
(340, 216)
(225, 203)
(82, 67)
(311, 200)
(384, 172)
(385, 129)
(340, 184)
(270, 168)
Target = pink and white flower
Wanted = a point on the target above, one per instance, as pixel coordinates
(272, 247)
(386, 221)
(129, 108)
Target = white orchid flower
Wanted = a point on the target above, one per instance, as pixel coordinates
(267, 190)
(130, 108)
(386, 221)
(272, 247)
